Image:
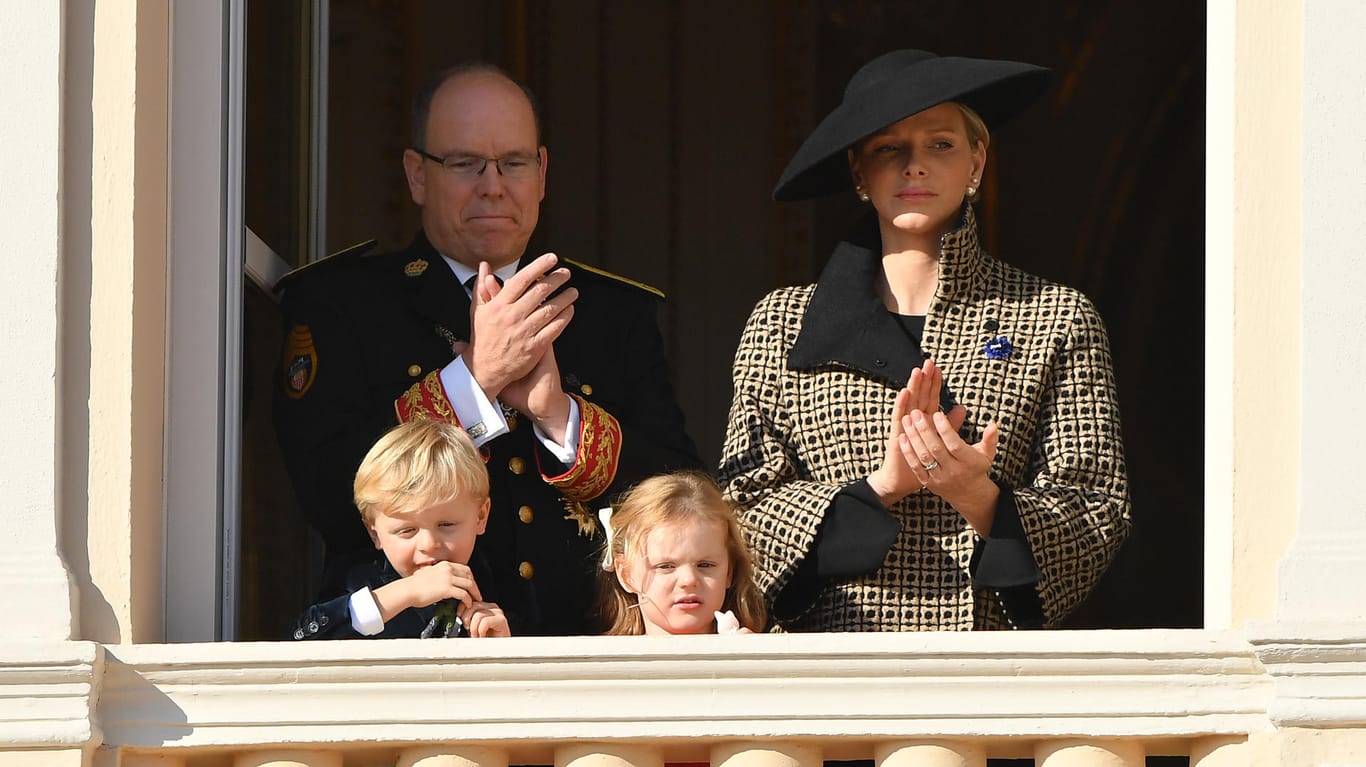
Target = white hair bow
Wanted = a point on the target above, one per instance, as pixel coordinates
(605, 516)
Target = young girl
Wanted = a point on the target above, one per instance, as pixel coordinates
(676, 561)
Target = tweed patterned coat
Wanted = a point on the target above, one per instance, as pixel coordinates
(816, 373)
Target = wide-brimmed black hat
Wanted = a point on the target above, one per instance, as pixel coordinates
(895, 86)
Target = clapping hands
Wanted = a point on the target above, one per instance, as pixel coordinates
(898, 476)
(512, 331)
(924, 452)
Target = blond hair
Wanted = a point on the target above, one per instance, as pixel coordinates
(416, 465)
(975, 126)
(685, 497)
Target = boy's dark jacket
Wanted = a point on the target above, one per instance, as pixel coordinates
(332, 619)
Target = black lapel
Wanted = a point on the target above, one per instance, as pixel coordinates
(436, 294)
(846, 323)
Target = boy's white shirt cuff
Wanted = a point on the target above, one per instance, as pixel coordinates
(567, 453)
(481, 419)
(365, 617)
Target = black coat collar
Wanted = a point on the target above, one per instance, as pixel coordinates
(435, 292)
(846, 323)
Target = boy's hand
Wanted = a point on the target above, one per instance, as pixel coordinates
(485, 619)
(427, 586)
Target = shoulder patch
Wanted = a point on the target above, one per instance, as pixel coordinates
(300, 364)
(652, 290)
(415, 267)
(341, 256)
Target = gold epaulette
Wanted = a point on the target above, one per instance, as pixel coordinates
(359, 249)
(652, 290)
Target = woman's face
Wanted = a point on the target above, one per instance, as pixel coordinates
(917, 171)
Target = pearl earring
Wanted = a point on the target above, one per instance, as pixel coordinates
(862, 195)
(972, 191)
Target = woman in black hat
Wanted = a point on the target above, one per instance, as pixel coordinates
(927, 438)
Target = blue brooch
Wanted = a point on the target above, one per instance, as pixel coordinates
(998, 348)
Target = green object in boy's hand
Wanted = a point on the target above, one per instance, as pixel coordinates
(446, 622)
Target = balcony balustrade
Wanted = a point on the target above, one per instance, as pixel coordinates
(1060, 699)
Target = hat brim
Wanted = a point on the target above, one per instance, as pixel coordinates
(996, 90)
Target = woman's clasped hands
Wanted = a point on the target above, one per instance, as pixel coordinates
(924, 452)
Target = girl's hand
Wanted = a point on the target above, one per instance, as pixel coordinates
(951, 468)
(727, 623)
(485, 619)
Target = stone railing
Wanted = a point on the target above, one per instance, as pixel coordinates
(933, 699)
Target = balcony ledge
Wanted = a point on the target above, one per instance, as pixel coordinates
(842, 692)
(531, 692)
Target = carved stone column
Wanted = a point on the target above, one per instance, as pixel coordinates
(607, 755)
(931, 754)
(452, 756)
(765, 755)
(288, 759)
(1089, 753)
(1220, 752)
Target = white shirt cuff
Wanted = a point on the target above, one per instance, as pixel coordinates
(365, 617)
(482, 420)
(569, 451)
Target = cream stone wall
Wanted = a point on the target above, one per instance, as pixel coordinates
(1252, 272)
(1324, 573)
(35, 595)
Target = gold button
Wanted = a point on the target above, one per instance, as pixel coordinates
(414, 370)
(525, 515)
(587, 390)
(526, 571)
(516, 465)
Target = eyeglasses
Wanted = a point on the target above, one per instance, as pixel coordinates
(468, 166)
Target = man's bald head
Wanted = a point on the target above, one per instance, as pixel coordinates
(422, 102)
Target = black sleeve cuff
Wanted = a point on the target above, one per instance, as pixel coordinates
(1003, 563)
(1004, 558)
(856, 535)
(852, 540)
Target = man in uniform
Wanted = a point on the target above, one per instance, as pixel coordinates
(558, 374)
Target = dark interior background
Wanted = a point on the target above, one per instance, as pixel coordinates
(667, 124)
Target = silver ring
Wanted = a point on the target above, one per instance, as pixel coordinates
(931, 466)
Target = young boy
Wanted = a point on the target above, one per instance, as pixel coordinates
(423, 493)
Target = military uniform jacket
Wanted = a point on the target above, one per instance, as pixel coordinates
(366, 339)
(816, 373)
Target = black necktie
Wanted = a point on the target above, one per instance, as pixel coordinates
(469, 284)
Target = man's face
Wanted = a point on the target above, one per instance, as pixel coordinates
(489, 217)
